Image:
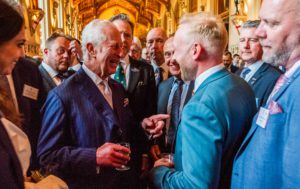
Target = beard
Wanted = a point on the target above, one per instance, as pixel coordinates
(281, 56)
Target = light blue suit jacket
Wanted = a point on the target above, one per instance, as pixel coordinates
(212, 127)
(270, 157)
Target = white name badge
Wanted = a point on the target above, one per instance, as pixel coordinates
(263, 116)
(30, 92)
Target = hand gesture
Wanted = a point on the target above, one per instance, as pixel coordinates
(153, 125)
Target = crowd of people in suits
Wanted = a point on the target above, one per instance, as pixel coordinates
(226, 124)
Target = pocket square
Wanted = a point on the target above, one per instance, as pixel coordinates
(140, 83)
(274, 108)
(135, 70)
(126, 102)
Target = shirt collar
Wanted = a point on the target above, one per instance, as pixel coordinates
(49, 69)
(255, 66)
(94, 77)
(292, 70)
(202, 77)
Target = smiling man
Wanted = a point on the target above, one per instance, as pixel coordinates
(169, 91)
(85, 116)
(259, 75)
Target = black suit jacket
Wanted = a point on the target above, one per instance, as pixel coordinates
(47, 80)
(141, 89)
(11, 175)
(164, 90)
(27, 73)
(262, 82)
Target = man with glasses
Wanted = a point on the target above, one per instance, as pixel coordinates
(56, 60)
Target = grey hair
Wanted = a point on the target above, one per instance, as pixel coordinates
(207, 29)
(251, 24)
(93, 33)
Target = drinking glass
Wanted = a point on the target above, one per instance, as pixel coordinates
(124, 167)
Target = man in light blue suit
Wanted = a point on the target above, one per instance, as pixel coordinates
(269, 157)
(85, 116)
(216, 118)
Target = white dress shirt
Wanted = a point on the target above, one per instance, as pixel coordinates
(202, 77)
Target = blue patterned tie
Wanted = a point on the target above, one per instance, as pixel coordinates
(175, 115)
(245, 71)
(158, 75)
(120, 75)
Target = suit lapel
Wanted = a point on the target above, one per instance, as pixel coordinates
(259, 73)
(189, 92)
(93, 94)
(275, 97)
(134, 75)
(47, 77)
(285, 85)
(164, 93)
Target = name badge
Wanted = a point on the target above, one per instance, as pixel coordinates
(263, 116)
(30, 92)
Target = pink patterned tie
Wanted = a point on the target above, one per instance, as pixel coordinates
(280, 82)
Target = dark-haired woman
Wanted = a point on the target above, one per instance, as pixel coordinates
(14, 145)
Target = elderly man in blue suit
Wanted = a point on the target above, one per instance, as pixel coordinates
(88, 114)
(215, 119)
(270, 155)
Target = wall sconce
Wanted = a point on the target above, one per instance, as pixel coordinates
(239, 17)
(35, 16)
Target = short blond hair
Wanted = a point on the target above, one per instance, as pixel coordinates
(207, 29)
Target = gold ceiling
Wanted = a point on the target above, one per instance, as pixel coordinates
(143, 13)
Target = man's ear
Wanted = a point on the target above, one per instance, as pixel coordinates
(197, 51)
(91, 50)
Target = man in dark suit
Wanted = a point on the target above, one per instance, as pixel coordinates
(227, 61)
(260, 76)
(56, 60)
(30, 95)
(215, 119)
(166, 92)
(156, 38)
(139, 79)
(88, 114)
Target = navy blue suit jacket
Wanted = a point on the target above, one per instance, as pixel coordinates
(76, 121)
(164, 90)
(27, 73)
(11, 175)
(262, 82)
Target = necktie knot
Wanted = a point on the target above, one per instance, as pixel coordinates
(106, 92)
(179, 82)
(245, 72)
